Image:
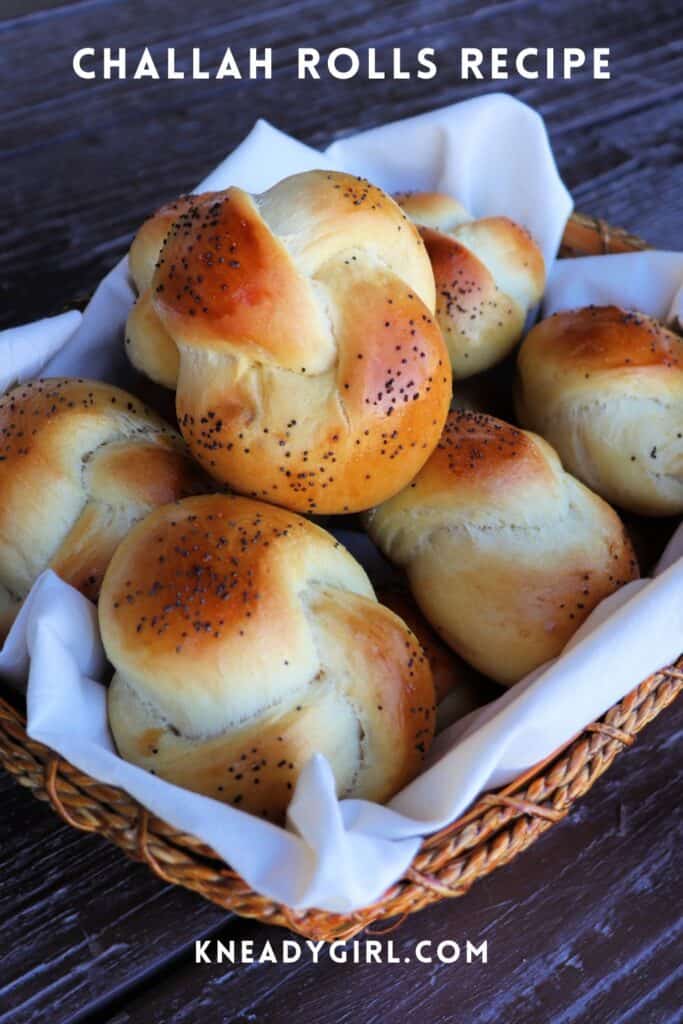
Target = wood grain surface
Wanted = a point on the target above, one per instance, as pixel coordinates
(585, 925)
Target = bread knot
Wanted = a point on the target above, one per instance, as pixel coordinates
(245, 639)
(297, 329)
(489, 275)
(506, 553)
(80, 462)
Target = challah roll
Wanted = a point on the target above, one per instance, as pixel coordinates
(489, 274)
(605, 387)
(80, 462)
(245, 639)
(297, 328)
(505, 552)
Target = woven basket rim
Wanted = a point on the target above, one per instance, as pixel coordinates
(495, 829)
(499, 826)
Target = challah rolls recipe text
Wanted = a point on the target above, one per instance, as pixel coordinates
(470, 63)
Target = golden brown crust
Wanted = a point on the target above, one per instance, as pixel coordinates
(510, 253)
(224, 280)
(433, 209)
(308, 307)
(506, 553)
(484, 457)
(148, 242)
(605, 386)
(604, 338)
(489, 274)
(478, 321)
(367, 423)
(80, 461)
(243, 633)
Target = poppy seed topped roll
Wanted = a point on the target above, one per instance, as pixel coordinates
(605, 387)
(489, 274)
(297, 329)
(80, 462)
(506, 553)
(245, 639)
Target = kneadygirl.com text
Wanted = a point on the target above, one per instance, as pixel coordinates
(355, 951)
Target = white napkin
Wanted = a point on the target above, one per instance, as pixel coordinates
(493, 154)
(343, 855)
(650, 282)
(25, 350)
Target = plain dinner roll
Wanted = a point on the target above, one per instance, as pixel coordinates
(505, 552)
(244, 640)
(80, 462)
(605, 387)
(297, 329)
(489, 274)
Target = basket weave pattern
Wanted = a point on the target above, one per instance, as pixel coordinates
(498, 827)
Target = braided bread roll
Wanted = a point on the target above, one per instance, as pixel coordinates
(297, 328)
(245, 639)
(505, 552)
(605, 387)
(80, 462)
(489, 275)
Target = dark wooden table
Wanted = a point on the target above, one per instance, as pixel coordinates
(584, 926)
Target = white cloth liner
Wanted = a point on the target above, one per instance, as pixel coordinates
(493, 153)
(25, 350)
(650, 282)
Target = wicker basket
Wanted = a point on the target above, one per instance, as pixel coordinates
(497, 828)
